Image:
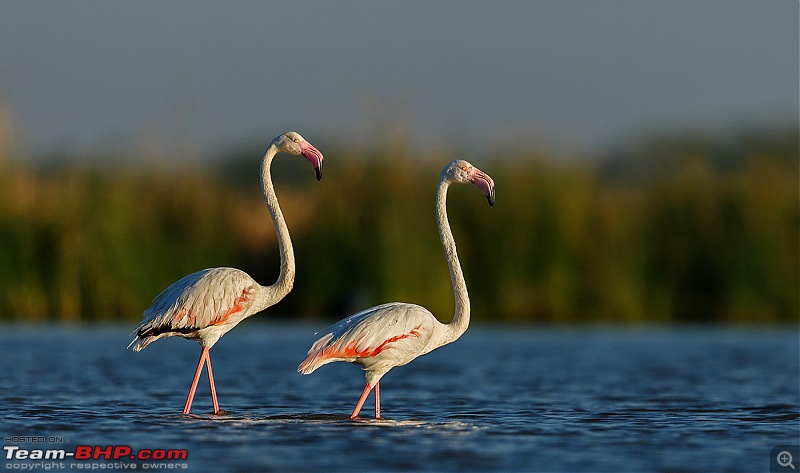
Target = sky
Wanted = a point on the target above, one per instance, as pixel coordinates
(567, 76)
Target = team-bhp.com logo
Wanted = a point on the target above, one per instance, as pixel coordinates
(124, 457)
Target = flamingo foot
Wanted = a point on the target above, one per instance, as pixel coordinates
(361, 400)
(378, 400)
(188, 406)
(211, 384)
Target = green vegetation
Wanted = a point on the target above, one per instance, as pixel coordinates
(675, 229)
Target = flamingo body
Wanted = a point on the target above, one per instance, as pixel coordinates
(205, 305)
(378, 338)
(394, 334)
(202, 306)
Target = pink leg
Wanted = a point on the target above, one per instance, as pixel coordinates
(211, 383)
(190, 397)
(363, 398)
(378, 400)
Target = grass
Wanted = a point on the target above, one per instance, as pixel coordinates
(672, 229)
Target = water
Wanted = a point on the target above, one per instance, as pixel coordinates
(499, 399)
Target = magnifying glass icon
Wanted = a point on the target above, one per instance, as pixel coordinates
(785, 459)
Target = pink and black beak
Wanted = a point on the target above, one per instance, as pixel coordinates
(313, 156)
(483, 182)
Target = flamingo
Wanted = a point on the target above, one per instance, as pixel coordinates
(205, 305)
(393, 334)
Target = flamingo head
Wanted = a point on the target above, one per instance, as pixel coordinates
(464, 172)
(292, 143)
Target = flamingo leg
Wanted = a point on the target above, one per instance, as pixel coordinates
(361, 400)
(378, 400)
(190, 397)
(211, 383)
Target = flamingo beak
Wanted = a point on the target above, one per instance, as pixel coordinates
(313, 156)
(483, 182)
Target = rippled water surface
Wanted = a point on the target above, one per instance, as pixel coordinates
(499, 399)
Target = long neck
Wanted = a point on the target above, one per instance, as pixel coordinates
(461, 317)
(286, 277)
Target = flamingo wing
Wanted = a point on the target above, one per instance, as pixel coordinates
(202, 299)
(404, 329)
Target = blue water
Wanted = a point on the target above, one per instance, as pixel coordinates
(499, 399)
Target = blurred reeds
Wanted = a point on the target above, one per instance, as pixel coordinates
(673, 229)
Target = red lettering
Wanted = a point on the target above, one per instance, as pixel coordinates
(117, 452)
(100, 452)
(121, 451)
(83, 452)
(177, 454)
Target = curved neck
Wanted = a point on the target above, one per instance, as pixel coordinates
(286, 277)
(461, 316)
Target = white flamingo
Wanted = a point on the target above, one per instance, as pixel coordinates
(204, 305)
(393, 334)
